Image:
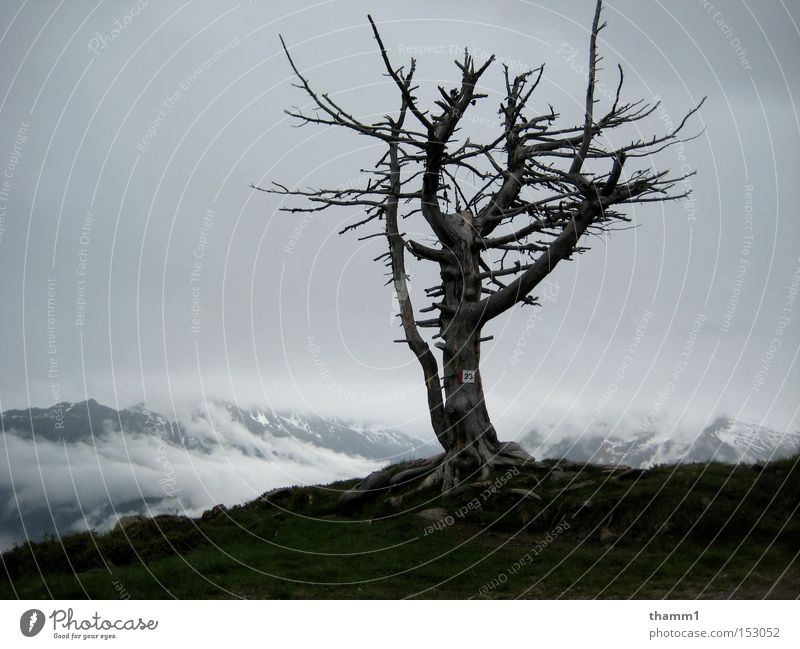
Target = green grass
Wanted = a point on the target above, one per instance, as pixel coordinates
(709, 530)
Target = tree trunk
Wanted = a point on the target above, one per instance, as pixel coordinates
(472, 441)
(471, 445)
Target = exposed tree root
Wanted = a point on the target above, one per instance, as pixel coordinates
(473, 463)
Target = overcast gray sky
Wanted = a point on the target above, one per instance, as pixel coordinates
(129, 133)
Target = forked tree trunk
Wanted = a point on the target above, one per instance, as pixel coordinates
(460, 419)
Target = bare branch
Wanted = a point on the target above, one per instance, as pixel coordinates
(533, 167)
(588, 134)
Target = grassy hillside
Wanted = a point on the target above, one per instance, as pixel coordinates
(552, 530)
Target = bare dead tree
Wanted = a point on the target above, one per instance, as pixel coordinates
(541, 188)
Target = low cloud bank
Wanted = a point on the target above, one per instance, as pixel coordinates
(47, 487)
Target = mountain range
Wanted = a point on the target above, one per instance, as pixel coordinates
(723, 440)
(81, 422)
